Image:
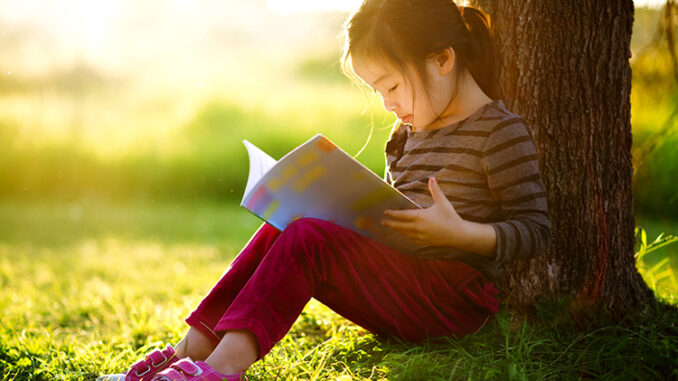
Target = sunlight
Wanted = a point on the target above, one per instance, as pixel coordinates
(649, 3)
(298, 6)
(87, 23)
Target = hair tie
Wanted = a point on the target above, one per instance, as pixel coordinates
(461, 13)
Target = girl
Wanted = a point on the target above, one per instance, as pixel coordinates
(456, 150)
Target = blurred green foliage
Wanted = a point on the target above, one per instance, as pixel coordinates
(327, 69)
(211, 161)
(654, 118)
(207, 159)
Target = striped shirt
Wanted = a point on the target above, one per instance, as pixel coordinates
(487, 166)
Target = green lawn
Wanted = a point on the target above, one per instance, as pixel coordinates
(88, 287)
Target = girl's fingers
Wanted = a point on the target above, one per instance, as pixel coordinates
(436, 192)
(404, 215)
(398, 225)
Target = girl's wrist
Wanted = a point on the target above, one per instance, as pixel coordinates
(465, 234)
(476, 238)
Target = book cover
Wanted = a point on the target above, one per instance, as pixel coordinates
(318, 179)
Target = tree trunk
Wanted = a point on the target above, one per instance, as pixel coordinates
(564, 67)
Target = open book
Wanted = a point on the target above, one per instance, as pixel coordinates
(319, 180)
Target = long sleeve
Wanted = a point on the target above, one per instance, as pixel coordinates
(511, 165)
(487, 166)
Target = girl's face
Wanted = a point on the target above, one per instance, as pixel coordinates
(406, 94)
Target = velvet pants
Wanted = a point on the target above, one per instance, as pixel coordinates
(385, 291)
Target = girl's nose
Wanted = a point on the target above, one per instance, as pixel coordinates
(388, 105)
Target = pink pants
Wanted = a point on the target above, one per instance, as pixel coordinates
(387, 292)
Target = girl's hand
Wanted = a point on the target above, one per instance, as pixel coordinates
(438, 225)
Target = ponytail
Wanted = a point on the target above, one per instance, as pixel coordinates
(482, 56)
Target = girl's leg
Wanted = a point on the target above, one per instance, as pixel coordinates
(201, 340)
(195, 345)
(383, 290)
(235, 353)
(213, 306)
(240, 347)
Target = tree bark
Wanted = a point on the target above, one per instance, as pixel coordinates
(564, 67)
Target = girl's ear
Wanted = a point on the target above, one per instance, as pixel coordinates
(444, 61)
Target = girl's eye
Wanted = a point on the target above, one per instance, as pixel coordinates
(393, 88)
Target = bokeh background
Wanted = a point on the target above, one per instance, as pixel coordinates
(119, 100)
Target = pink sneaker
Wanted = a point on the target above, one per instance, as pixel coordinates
(146, 369)
(188, 370)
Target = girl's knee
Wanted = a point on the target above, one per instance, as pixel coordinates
(307, 221)
(309, 235)
(308, 228)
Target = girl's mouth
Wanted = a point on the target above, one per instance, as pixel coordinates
(406, 119)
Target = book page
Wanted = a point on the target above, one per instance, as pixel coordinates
(319, 180)
(260, 163)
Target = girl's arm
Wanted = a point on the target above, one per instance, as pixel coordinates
(509, 160)
(480, 239)
(511, 165)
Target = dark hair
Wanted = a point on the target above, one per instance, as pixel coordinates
(410, 31)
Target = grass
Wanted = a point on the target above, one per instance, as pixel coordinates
(89, 287)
